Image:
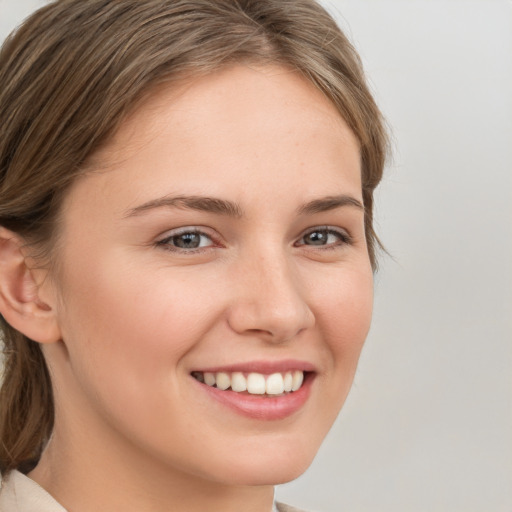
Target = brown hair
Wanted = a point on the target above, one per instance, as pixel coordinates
(71, 73)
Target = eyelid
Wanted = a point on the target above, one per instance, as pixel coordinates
(162, 242)
(344, 237)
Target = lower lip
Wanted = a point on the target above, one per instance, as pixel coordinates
(262, 407)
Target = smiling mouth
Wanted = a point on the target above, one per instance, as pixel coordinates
(272, 385)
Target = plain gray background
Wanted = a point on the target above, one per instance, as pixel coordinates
(428, 424)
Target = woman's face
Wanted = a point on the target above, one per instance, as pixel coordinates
(221, 240)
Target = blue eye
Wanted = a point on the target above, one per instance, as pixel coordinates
(186, 240)
(325, 237)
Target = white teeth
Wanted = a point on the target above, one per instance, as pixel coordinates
(288, 381)
(209, 378)
(274, 384)
(254, 383)
(298, 378)
(238, 382)
(223, 380)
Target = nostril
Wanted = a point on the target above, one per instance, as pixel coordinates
(270, 322)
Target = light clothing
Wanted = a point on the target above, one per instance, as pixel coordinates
(19, 493)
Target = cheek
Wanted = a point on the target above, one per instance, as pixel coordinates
(125, 324)
(343, 312)
(126, 334)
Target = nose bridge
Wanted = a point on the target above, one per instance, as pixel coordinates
(270, 300)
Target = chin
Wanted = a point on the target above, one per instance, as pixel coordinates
(279, 473)
(271, 468)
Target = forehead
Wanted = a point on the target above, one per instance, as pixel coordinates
(267, 95)
(246, 132)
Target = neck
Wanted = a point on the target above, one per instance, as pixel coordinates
(88, 479)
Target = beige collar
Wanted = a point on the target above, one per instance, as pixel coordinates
(19, 493)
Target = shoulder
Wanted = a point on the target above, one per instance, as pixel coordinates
(281, 507)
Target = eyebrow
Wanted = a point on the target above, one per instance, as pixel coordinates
(201, 203)
(325, 204)
(232, 209)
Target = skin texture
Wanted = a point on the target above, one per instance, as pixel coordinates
(136, 316)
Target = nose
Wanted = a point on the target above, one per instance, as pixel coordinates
(269, 301)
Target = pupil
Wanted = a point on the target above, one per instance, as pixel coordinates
(316, 238)
(188, 241)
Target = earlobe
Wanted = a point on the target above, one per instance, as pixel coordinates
(20, 303)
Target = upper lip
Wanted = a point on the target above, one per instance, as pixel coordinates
(264, 367)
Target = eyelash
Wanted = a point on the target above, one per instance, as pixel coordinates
(165, 243)
(343, 239)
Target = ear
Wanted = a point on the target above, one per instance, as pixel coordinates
(20, 303)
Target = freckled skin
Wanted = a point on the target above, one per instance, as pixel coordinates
(137, 317)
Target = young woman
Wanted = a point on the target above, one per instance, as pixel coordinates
(186, 250)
